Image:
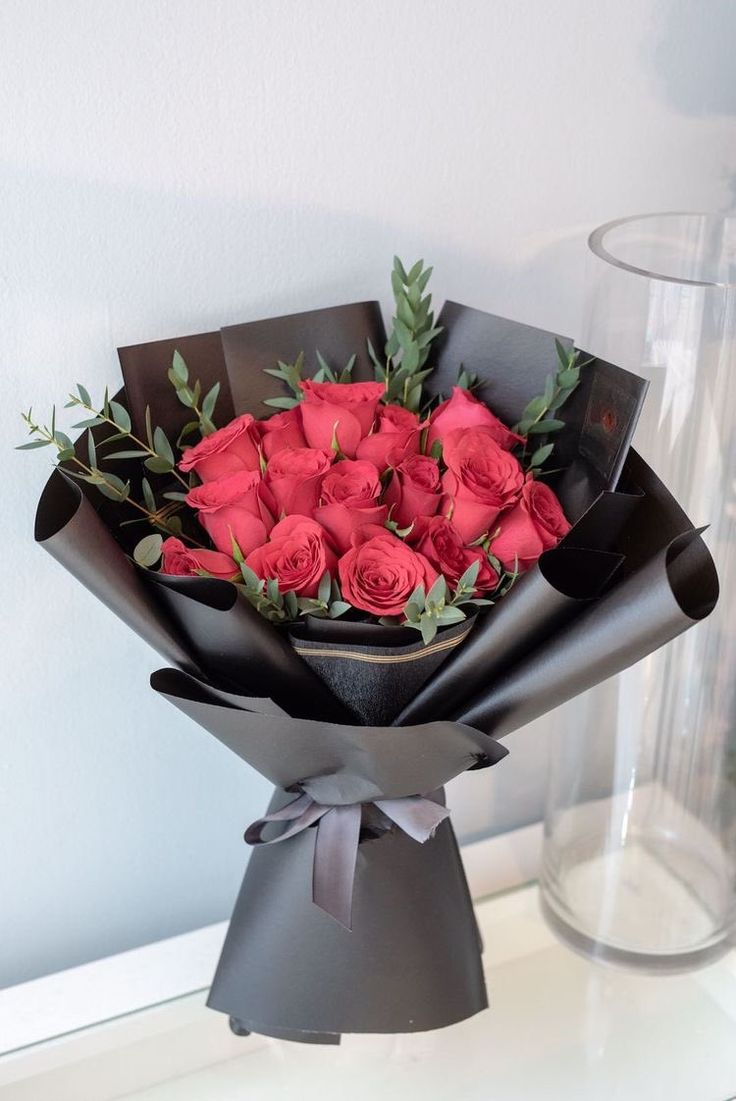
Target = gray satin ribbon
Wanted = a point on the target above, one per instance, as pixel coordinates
(338, 835)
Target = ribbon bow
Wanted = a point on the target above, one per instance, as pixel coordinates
(336, 843)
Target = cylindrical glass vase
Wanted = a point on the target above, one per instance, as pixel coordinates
(639, 861)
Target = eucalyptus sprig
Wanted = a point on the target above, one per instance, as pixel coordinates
(178, 375)
(278, 607)
(538, 421)
(157, 453)
(440, 607)
(291, 374)
(409, 344)
(108, 484)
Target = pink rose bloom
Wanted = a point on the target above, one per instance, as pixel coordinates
(230, 449)
(233, 507)
(347, 409)
(297, 556)
(294, 479)
(536, 524)
(280, 431)
(181, 561)
(481, 481)
(462, 410)
(437, 540)
(350, 492)
(380, 574)
(414, 490)
(396, 436)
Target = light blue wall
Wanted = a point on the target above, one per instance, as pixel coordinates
(169, 167)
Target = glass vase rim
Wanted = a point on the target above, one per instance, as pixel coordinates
(598, 247)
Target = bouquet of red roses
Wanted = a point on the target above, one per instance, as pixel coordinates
(422, 549)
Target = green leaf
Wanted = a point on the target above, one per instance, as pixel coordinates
(338, 608)
(148, 551)
(210, 400)
(91, 450)
(540, 427)
(469, 578)
(127, 455)
(281, 403)
(174, 495)
(162, 446)
(568, 379)
(428, 627)
(415, 272)
(113, 487)
(158, 465)
(120, 416)
(435, 450)
(189, 427)
(252, 581)
(418, 597)
(438, 592)
(541, 455)
(400, 270)
(84, 395)
(33, 445)
(451, 615)
(291, 604)
(562, 354)
(148, 498)
(90, 422)
(325, 587)
(179, 367)
(66, 455)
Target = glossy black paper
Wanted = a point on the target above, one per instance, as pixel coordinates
(630, 575)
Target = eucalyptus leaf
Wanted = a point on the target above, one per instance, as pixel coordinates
(148, 551)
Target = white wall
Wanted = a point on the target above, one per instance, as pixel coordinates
(168, 167)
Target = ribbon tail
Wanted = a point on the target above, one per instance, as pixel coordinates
(301, 812)
(335, 856)
(416, 816)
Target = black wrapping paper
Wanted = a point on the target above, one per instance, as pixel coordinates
(631, 574)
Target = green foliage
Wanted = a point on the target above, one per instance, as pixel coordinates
(292, 375)
(538, 421)
(427, 612)
(148, 551)
(203, 408)
(409, 345)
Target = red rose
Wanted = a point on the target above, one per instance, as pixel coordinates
(396, 436)
(462, 410)
(230, 449)
(349, 495)
(233, 507)
(281, 431)
(437, 540)
(297, 556)
(481, 480)
(380, 574)
(181, 561)
(414, 490)
(294, 478)
(536, 524)
(346, 409)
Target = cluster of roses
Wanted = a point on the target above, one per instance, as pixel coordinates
(311, 490)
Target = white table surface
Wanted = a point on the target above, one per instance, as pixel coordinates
(559, 1027)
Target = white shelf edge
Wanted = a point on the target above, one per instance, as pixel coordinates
(78, 1015)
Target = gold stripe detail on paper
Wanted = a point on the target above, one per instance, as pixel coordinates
(384, 659)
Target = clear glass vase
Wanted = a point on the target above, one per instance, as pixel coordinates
(639, 861)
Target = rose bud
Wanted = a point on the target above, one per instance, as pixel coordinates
(349, 494)
(346, 410)
(437, 540)
(482, 479)
(396, 436)
(181, 561)
(233, 507)
(294, 478)
(414, 490)
(297, 556)
(463, 410)
(536, 524)
(280, 431)
(230, 449)
(380, 574)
